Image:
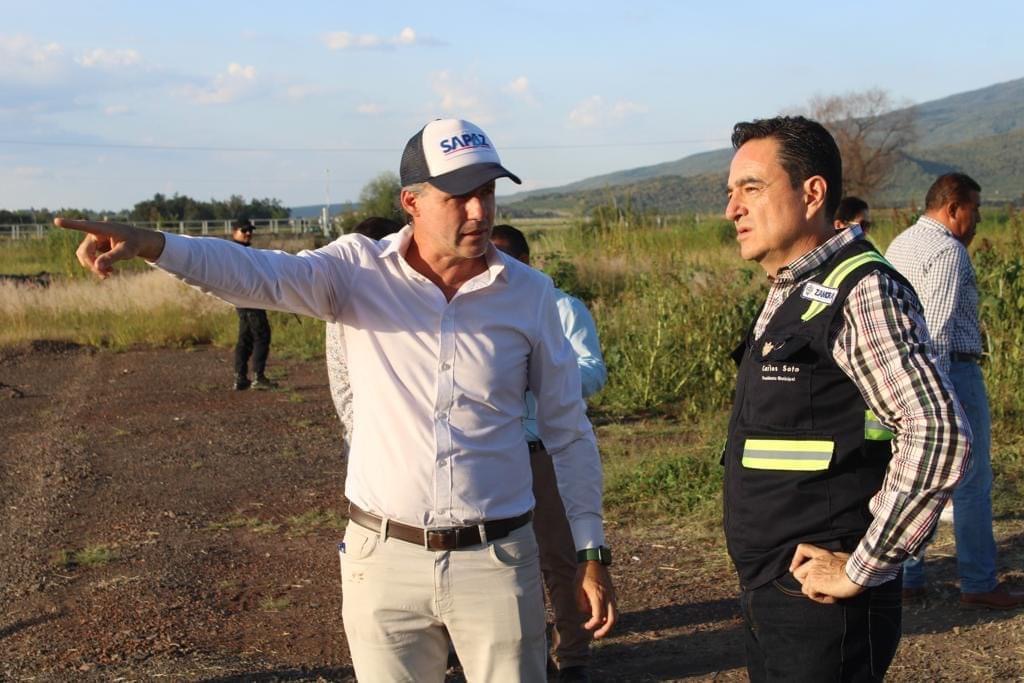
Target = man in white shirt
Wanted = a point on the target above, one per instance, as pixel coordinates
(444, 335)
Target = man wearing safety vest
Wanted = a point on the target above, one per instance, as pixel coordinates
(845, 438)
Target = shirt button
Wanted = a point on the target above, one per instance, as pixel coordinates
(442, 463)
(446, 366)
(439, 417)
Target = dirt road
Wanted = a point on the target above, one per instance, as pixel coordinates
(157, 525)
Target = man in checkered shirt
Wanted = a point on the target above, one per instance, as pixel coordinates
(932, 255)
(845, 439)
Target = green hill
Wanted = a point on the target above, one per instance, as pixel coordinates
(980, 132)
(996, 162)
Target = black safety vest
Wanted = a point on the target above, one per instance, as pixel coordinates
(804, 454)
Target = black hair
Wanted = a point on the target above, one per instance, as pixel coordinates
(849, 208)
(518, 246)
(376, 227)
(951, 187)
(806, 149)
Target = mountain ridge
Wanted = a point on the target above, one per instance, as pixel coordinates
(980, 132)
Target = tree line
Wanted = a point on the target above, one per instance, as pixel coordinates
(164, 209)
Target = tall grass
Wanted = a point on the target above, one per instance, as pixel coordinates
(138, 309)
(671, 299)
(145, 308)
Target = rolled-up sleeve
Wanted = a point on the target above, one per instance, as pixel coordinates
(883, 346)
(564, 427)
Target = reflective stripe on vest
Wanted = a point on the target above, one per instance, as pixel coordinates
(838, 275)
(875, 430)
(784, 454)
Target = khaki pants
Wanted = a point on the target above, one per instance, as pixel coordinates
(570, 641)
(401, 603)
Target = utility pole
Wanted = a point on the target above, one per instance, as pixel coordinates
(327, 209)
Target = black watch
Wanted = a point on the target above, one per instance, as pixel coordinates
(601, 554)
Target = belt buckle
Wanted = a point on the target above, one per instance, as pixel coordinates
(448, 537)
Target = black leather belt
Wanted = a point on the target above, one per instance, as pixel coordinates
(535, 446)
(960, 357)
(448, 538)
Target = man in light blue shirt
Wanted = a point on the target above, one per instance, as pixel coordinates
(558, 560)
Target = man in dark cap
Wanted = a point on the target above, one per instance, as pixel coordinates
(253, 328)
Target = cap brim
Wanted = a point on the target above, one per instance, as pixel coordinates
(465, 180)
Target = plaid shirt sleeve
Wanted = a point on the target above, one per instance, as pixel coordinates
(883, 346)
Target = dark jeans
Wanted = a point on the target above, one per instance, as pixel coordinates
(253, 340)
(789, 637)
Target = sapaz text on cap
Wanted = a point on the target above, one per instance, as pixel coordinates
(453, 155)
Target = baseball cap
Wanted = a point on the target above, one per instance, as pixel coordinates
(453, 155)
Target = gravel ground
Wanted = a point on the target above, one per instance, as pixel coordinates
(156, 524)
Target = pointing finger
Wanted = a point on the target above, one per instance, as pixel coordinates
(94, 227)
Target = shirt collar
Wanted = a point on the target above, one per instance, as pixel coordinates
(818, 256)
(934, 225)
(398, 243)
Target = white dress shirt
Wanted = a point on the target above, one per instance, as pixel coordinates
(437, 385)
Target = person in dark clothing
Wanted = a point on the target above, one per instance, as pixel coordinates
(253, 329)
(852, 211)
(376, 227)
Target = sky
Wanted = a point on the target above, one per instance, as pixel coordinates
(103, 104)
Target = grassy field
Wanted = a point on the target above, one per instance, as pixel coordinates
(670, 296)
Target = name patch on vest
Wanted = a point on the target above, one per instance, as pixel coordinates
(814, 292)
(779, 372)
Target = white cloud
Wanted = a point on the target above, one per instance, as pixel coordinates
(25, 49)
(593, 112)
(344, 40)
(406, 36)
(369, 108)
(231, 86)
(116, 109)
(460, 97)
(520, 88)
(108, 59)
(587, 113)
(25, 60)
(30, 171)
(624, 108)
(300, 91)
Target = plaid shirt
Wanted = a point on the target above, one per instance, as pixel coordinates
(883, 347)
(940, 269)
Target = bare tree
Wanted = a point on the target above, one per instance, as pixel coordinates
(871, 132)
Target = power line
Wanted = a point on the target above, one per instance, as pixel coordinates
(107, 179)
(215, 148)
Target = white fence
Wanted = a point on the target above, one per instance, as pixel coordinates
(274, 226)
